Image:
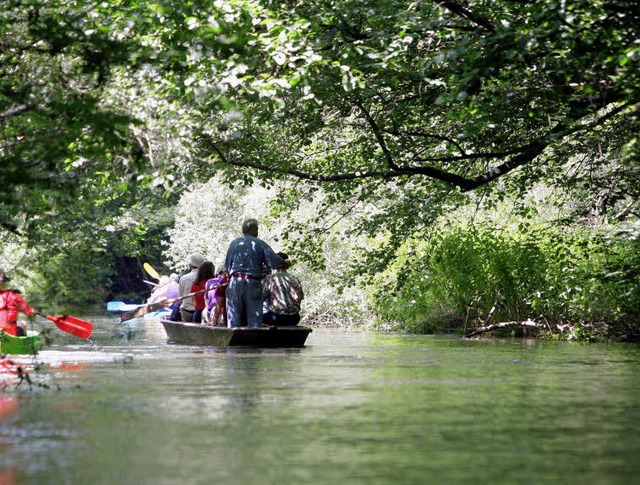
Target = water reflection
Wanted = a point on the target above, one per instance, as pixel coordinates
(9, 474)
(351, 407)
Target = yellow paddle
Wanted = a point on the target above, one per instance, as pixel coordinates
(151, 271)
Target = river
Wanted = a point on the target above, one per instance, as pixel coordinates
(351, 407)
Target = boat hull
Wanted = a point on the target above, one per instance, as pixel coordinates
(271, 337)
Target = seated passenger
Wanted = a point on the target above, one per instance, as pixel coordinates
(159, 293)
(173, 287)
(205, 273)
(11, 304)
(182, 310)
(220, 313)
(217, 303)
(283, 294)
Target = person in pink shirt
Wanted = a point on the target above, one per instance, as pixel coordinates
(167, 289)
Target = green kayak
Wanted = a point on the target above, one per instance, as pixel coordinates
(19, 345)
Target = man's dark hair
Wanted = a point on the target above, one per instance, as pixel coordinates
(249, 225)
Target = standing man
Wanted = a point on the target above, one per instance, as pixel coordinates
(187, 306)
(246, 258)
(11, 303)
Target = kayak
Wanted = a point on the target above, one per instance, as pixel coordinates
(266, 337)
(158, 314)
(19, 345)
(122, 307)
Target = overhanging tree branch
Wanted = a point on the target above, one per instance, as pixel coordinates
(211, 144)
(519, 157)
(378, 134)
(14, 111)
(420, 134)
(462, 11)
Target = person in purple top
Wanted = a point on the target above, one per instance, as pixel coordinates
(173, 287)
(245, 260)
(216, 289)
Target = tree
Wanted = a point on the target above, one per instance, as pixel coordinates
(429, 95)
(76, 185)
(400, 111)
(461, 95)
(401, 103)
(54, 62)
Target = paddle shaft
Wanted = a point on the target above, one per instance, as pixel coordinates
(160, 304)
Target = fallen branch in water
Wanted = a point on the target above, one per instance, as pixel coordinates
(496, 326)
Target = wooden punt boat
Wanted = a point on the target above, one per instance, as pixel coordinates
(267, 337)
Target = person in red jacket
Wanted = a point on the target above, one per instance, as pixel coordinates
(12, 303)
(205, 273)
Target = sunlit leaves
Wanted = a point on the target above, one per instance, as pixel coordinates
(134, 101)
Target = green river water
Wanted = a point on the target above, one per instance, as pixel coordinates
(351, 407)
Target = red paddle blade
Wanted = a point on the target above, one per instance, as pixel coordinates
(73, 325)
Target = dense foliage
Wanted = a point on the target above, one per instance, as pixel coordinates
(399, 103)
(576, 282)
(73, 172)
(393, 116)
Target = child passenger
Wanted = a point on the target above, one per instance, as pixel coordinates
(216, 298)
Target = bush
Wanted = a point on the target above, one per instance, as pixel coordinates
(465, 276)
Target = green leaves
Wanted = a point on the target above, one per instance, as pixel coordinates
(389, 109)
(542, 274)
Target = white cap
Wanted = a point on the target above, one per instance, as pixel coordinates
(196, 260)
